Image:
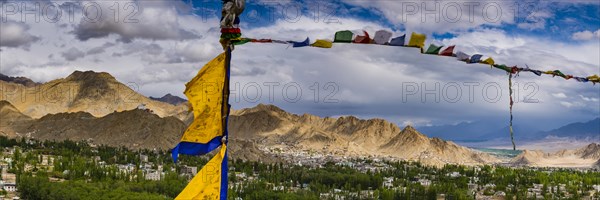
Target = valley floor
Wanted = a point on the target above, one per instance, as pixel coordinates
(63, 170)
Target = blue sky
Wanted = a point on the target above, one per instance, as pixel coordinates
(552, 19)
(168, 41)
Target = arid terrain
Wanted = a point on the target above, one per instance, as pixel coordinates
(588, 156)
(95, 107)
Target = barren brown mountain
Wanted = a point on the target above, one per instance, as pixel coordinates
(583, 157)
(97, 93)
(350, 136)
(10, 119)
(96, 107)
(133, 129)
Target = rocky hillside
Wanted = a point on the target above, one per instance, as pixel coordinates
(96, 93)
(133, 129)
(96, 107)
(10, 119)
(348, 136)
(583, 157)
(591, 151)
(252, 131)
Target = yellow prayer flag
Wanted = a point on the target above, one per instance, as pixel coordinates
(488, 61)
(417, 40)
(322, 44)
(205, 94)
(207, 183)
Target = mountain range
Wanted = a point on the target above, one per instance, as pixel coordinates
(78, 115)
(96, 93)
(347, 136)
(97, 108)
(170, 99)
(18, 80)
(489, 130)
(588, 156)
(589, 129)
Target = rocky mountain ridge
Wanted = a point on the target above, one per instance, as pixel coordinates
(170, 99)
(19, 80)
(587, 156)
(347, 136)
(97, 93)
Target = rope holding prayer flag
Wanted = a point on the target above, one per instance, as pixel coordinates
(418, 40)
(230, 21)
(510, 126)
(225, 109)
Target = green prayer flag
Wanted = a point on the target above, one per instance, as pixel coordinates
(241, 41)
(433, 49)
(343, 36)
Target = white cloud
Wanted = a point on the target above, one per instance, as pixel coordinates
(543, 54)
(574, 104)
(369, 78)
(15, 34)
(536, 20)
(196, 51)
(447, 16)
(559, 95)
(586, 35)
(592, 99)
(566, 104)
(156, 20)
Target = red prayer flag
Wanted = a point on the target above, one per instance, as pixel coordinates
(448, 51)
(363, 39)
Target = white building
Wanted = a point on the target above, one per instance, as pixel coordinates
(388, 182)
(425, 182)
(189, 170)
(154, 176)
(10, 187)
(453, 174)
